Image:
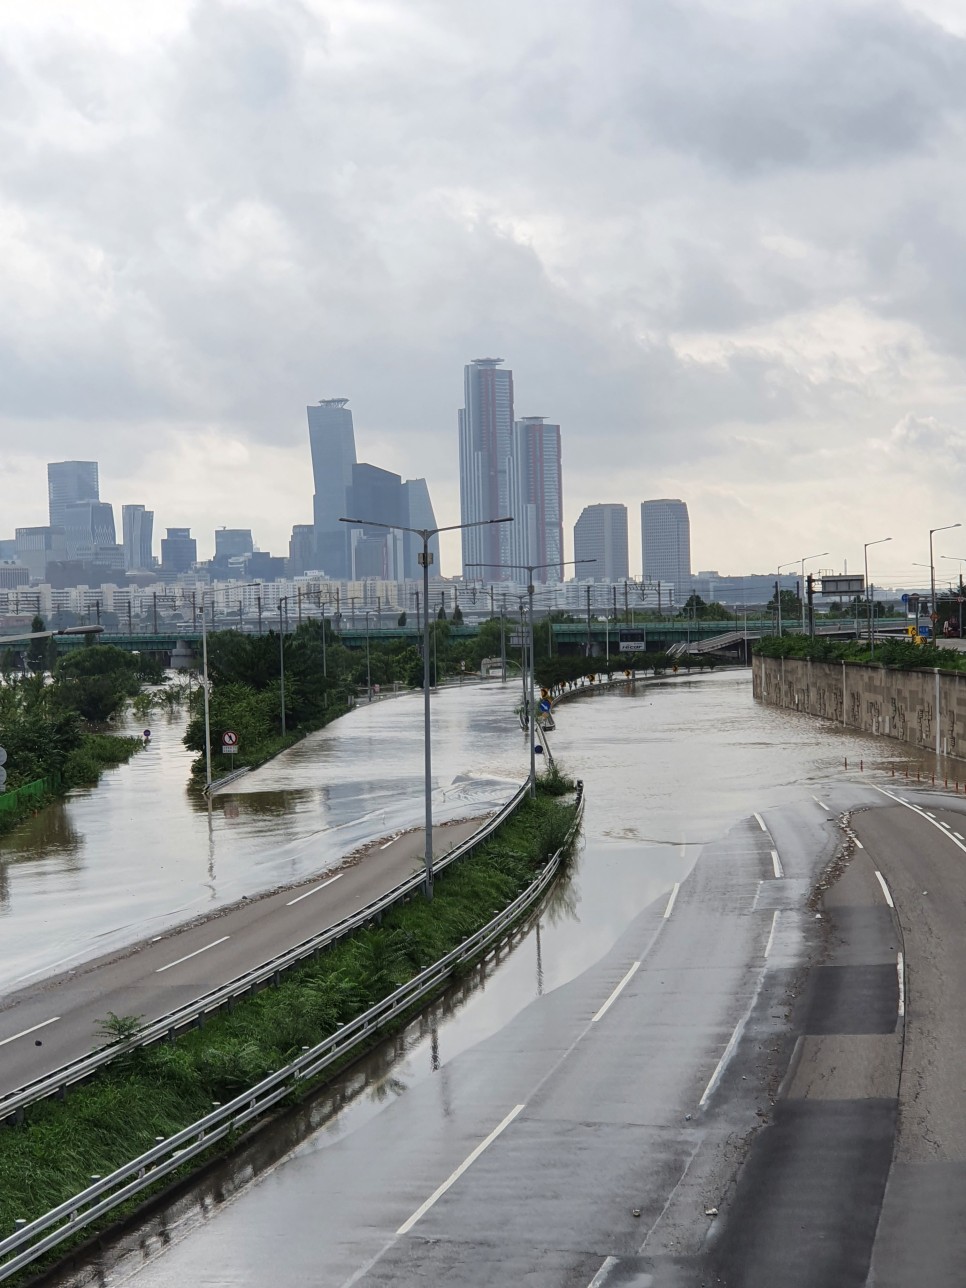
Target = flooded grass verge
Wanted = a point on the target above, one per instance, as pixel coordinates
(156, 1091)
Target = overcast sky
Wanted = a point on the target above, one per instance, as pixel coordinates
(721, 243)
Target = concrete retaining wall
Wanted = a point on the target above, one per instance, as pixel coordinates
(925, 708)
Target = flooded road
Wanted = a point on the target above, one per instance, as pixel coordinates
(675, 772)
(140, 853)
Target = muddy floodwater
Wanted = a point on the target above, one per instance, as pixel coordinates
(139, 853)
(669, 766)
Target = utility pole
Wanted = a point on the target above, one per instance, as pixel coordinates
(588, 620)
(502, 640)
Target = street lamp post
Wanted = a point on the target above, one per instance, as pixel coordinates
(530, 569)
(868, 600)
(959, 591)
(368, 670)
(932, 575)
(281, 655)
(821, 554)
(425, 559)
(778, 591)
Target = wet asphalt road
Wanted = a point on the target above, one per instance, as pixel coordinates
(651, 1088)
(139, 854)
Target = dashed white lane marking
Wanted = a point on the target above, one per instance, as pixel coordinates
(777, 865)
(901, 974)
(818, 802)
(931, 815)
(729, 1050)
(454, 1176)
(858, 844)
(943, 823)
(602, 1274)
(299, 898)
(960, 836)
(42, 1025)
(771, 933)
(188, 956)
(924, 814)
(616, 993)
(670, 902)
(761, 822)
(885, 889)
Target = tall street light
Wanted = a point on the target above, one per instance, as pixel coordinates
(425, 559)
(369, 613)
(821, 554)
(868, 600)
(530, 569)
(778, 590)
(932, 574)
(283, 599)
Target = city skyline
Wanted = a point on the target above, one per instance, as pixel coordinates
(719, 290)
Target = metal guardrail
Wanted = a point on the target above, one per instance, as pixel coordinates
(193, 1013)
(62, 1222)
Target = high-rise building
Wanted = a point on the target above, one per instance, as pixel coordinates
(375, 551)
(486, 434)
(36, 547)
(179, 550)
(419, 512)
(137, 527)
(333, 446)
(601, 534)
(90, 528)
(301, 549)
(233, 543)
(536, 499)
(666, 544)
(68, 482)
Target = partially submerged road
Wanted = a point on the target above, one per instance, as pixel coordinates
(711, 1096)
(47, 1024)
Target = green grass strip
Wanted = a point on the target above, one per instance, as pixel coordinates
(158, 1090)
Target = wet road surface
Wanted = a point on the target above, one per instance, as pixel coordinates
(583, 1117)
(138, 854)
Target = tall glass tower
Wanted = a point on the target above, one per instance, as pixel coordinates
(333, 445)
(536, 499)
(68, 482)
(486, 438)
(666, 544)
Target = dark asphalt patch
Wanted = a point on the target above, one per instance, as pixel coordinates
(853, 999)
(808, 1199)
(922, 1235)
(863, 936)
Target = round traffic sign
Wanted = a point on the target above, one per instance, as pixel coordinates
(905, 599)
(146, 733)
(3, 755)
(229, 738)
(3, 776)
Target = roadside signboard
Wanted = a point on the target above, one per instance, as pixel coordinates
(633, 646)
(229, 742)
(842, 585)
(517, 641)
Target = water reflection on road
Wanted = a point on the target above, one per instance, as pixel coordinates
(133, 856)
(668, 766)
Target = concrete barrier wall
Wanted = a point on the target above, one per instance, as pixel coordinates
(925, 708)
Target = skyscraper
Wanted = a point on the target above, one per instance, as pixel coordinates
(179, 550)
(420, 514)
(137, 526)
(601, 534)
(67, 482)
(333, 445)
(376, 551)
(485, 435)
(666, 544)
(90, 528)
(536, 499)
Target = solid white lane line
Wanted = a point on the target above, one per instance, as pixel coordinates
(616, 993)
(300, 897)
(761, 822)
(194, 954)
(901, 973)
(670, 902)
(777, 865)
(454, 1176)
(42, 1025)
(602, 1274)
(885, 889)
(771, 933)
(923, 814)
